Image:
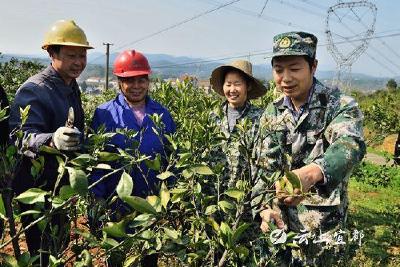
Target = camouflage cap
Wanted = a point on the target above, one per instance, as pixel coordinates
(295, 44)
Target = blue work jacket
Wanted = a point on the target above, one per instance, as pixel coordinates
(116, 114)
(49, 99)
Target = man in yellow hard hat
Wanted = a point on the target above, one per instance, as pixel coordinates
(54, 97)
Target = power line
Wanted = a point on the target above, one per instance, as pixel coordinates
(247, 12)
(359, 20)
(267, 53)
(373, 48)
(179, 23)
(297, 7)
(262, 10)
(175, 25)
(282, 22)
(348, 28)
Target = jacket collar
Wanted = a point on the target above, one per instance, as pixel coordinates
(318, 98)
(150, 103)
(224, 119)
(53, 76)
(245, 110)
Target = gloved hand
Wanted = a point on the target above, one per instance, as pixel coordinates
(67, 139)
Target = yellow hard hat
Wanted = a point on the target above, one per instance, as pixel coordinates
(65, 32)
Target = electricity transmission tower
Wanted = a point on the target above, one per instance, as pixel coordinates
(358, 35)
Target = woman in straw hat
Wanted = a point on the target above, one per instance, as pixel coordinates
(236, 83)
(238, 120)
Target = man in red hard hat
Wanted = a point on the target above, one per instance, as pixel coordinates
(131, 110)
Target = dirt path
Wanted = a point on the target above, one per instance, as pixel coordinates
(377, 159)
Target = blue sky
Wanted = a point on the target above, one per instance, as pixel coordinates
(234, 30)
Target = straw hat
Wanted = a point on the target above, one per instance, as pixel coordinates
(255, 89)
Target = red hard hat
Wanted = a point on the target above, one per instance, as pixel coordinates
(131, 63)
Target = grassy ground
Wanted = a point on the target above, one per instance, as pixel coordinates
(376, 210)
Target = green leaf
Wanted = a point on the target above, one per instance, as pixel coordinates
(148, 234)
(171, 141)
(173, 234)
(54, 261)
(202, 170)
(225, 205)
(292, 245)
(293, 179)
(36, 167)
(289, 188)
(56, 202)
(178, 190)
(165, 175)
(108, 156)
(66, 192)
(11, 151)
(197, 188)
(115, 229)
(213, 223)
(154, 164)
(32, 196)
(211, 209)
(183, 158)
(24, 113)
(132, 260)
(164, 196)
(23, 259)
(139, 204)
(177, 194)
(125, 185)
(103, 166)
(3, 114)
(235, 193)
(29, 212)
(242, 251)
(143, 220)
(225, 229)
(49, 150)
(226, 234)
(86, 259)
(282, 183)
(82, 160)
(187, 173)
(2, 209)
(155, 201)
(8, 260)
(239, 231)
(109, 243)
(78, 181)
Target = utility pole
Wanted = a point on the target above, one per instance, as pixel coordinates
(107, 61)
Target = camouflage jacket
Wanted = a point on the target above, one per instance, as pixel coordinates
(329, 134)
(237, 143)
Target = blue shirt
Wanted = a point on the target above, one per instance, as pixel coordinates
(49, 99)
(116, 114)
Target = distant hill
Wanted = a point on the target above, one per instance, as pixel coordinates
(168, 66)
(37, 58)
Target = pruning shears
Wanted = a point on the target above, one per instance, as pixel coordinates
(71, 118)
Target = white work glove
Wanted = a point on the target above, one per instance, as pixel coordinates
(67, 139)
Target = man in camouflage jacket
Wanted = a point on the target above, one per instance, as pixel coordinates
(316, 132)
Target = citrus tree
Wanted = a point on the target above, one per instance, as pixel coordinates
(193, 220)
